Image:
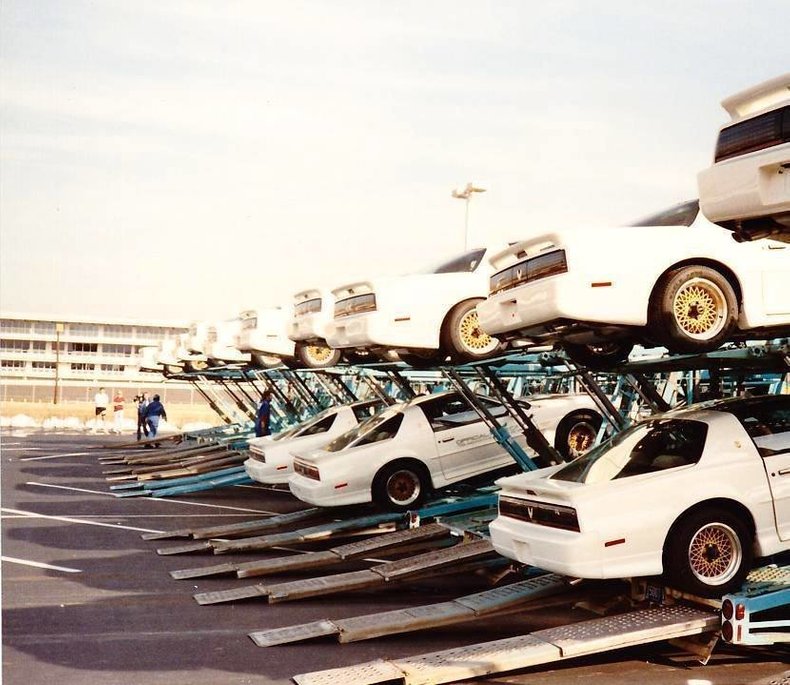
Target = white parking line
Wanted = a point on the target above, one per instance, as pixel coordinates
(68, 519)
(57, 456)
(153, 499)
(38, 564)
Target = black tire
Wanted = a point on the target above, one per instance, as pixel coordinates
(462, 338)
(693, 309)
(599, 357)
(401, 486)
(422, 360)
(316, 356)
(576, 433)
(708, 552)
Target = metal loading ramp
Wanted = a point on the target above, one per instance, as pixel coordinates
(508, 598)
(422, 564)
(541, 647)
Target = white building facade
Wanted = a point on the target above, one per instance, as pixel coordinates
(44, 358)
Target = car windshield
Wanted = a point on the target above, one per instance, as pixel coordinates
(465, 263)
(679, 215)
(647, 447)
(350, 436)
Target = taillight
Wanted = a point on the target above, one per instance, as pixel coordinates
(740, 612)
(727, 609)
(726, 631)
(759, 133)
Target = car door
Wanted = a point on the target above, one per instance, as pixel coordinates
(772, 439)
(464, 443)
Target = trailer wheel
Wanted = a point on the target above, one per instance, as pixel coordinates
(602, 356)
(576, 433)
(693, 309)
(462, 338)
(401, 485)
(316, 356)
(709, 552)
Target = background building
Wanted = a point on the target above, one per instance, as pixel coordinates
(45, 357)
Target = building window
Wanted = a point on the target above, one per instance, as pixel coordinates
(43, 366)
(112, 368)
(38, 345)
(114, 331)
(44, 327)
(90, 329)
(83, 348)
(83, 368)
(117, 350)
(16, 326)
(13, 364)
(14, 345)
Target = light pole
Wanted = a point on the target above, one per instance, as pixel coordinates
(466, 195)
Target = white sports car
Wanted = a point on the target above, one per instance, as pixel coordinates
(312, 312)
(424, 317)
(747, 189)
(397, 457)
(271, 460)
(695, 493)
(221, 339)
(264, 335)
(673, 279)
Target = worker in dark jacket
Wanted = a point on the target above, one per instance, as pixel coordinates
(153, 413)
(263, 415)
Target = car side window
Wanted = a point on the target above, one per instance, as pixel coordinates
(769, 428)
(384, 431)
(448, 412)
(321, 426)
(365, 411)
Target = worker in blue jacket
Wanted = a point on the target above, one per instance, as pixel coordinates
(263, 415)
(153, 413)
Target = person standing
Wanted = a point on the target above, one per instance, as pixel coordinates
(117, 408)
(153, 414)
(100, 402)
(263, 415)
(142, 406)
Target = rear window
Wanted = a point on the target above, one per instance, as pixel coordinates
(679, 215)
(465, 263)
(353, 436)
(647, 447)
(320, 426)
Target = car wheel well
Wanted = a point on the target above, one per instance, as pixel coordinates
(407, 461)
(730, 505)
(724, 270)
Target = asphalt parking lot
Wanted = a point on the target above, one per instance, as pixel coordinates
(86, 600)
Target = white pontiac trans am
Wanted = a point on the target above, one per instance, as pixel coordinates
(398, 456)
(695, 494)
(673, 279)
(312, 312)
(221, 340)
(747, 189)
(425, 317)
(271, 458)
(264, 335)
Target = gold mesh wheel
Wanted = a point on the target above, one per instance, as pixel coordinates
(700, 309)
(474, 338)
(319, 354)
(581, 438)
(715, 554)
(403, 487)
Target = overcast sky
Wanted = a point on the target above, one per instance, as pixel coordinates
(187, 160)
